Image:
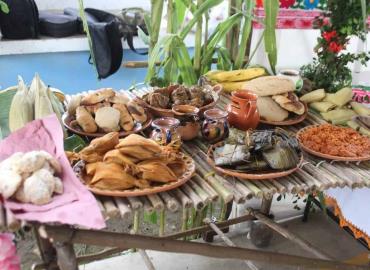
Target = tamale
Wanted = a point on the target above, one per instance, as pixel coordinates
(116, 156)
(341, 97)
(156, 171)
(313, 96)
(91, 167)
(112, 176)
(338, 114)
(322, 106)
(105, 143)
(281, 156)
(231, 155)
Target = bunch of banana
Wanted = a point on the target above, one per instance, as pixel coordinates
(234, 79)
(34, 102)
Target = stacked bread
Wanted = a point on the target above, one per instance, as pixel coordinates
(276, 98)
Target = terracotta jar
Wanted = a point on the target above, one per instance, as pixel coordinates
(189, 121)
(242, 109)
(165, 132)
(215, 126)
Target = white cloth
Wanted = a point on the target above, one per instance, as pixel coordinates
(354, 205)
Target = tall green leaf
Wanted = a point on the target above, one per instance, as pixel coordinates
(217, 36)
(155, 22)
(271, 12)
(197, 15)
(364, 14)
(223, 59)
(247, 28)
(180, 9)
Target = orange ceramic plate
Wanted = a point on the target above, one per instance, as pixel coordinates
(326, 156)
(248, 176)
(187, 174)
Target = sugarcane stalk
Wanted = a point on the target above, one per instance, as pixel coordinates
(223, 210)
(162, 219)
(246, 31)
(184, 220)
(198, 43)
(155, 23)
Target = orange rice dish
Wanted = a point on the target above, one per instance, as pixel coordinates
(335, 141)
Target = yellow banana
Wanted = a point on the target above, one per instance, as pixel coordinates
(235, 75)
(232, 86)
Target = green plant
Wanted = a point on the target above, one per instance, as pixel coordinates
(4, 7)
(343, 20)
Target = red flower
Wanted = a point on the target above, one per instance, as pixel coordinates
(335, 47)
(259, 3)
(328, 36)
(286, 3)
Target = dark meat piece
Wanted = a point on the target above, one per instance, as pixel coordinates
(158, 100)
(196, 92)
(164, 91)
(196, 102)
(180, 96)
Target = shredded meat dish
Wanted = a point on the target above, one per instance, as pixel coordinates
(336, 141)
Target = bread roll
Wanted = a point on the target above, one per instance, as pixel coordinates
(290, 102)
(137, 112)
(126, 122)
(271, 111)
(270, 86)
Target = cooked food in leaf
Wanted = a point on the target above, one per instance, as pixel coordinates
(259, 150)
(132, 162)
(290, 102)
(336, 141)
(271, 111)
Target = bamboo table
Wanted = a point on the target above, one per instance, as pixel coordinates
(197, 197)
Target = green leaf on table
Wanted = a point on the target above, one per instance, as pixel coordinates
(4, 7)
(6, 97)
(74, 143)
(151, 217)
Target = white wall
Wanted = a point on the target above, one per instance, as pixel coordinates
(101, 4)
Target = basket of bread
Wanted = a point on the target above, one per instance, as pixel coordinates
(100, 112)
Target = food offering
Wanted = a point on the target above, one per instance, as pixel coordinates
(31, 177)
(161, 100)
(189, 121)
(339, 108)
(104, 111)
(131, 166)
(215, 126)
(277, 103)
(234, 79)
(259, 154)
(334, 142)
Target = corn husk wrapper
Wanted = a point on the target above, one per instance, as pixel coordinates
(43, 106)
(338, 115)
(156, 171)
(322, 106)
(139, 147)
(360, 109)
(105, 143)
(91, 167)
(112, 176)
(313, 96)
(21, 108)
(340, 98)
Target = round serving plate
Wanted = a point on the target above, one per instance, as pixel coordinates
(67, 119)
(187, 174)
(263, 175)
(296, 119)
(326, 156)
(159, 112)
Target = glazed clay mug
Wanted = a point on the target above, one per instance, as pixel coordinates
(165, 132)
(189, 121)
(215, 127)
(243, 113)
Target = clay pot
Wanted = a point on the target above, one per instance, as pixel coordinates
(189, 121)
(215, 126)
(165, 132)
(243, 113)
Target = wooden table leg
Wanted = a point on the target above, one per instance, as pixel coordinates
(208, 236)
(261, 234)
(307, 208)
(66, 256)
(47, 251)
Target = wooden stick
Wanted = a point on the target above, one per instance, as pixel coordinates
(248, 194)
(100, 238)
(146, 259)
(256, 191)
(205, 186)
(135, 203)
(110, 208)
(171, 202)
(289, 235)
(197, 201)
(2, 218)
(156, 201)
(239, 197)
(102, 209)
(290, 187)
(66, 256)
(281, 188)
(124, 207)
(185, 201)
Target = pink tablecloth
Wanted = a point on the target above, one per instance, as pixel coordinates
(76, 206)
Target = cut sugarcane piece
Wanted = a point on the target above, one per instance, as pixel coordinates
(322, 106)
(314, 96)
(354, 125)
(360, 109)
(340, 98)
(338, 114)
(364, 131)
